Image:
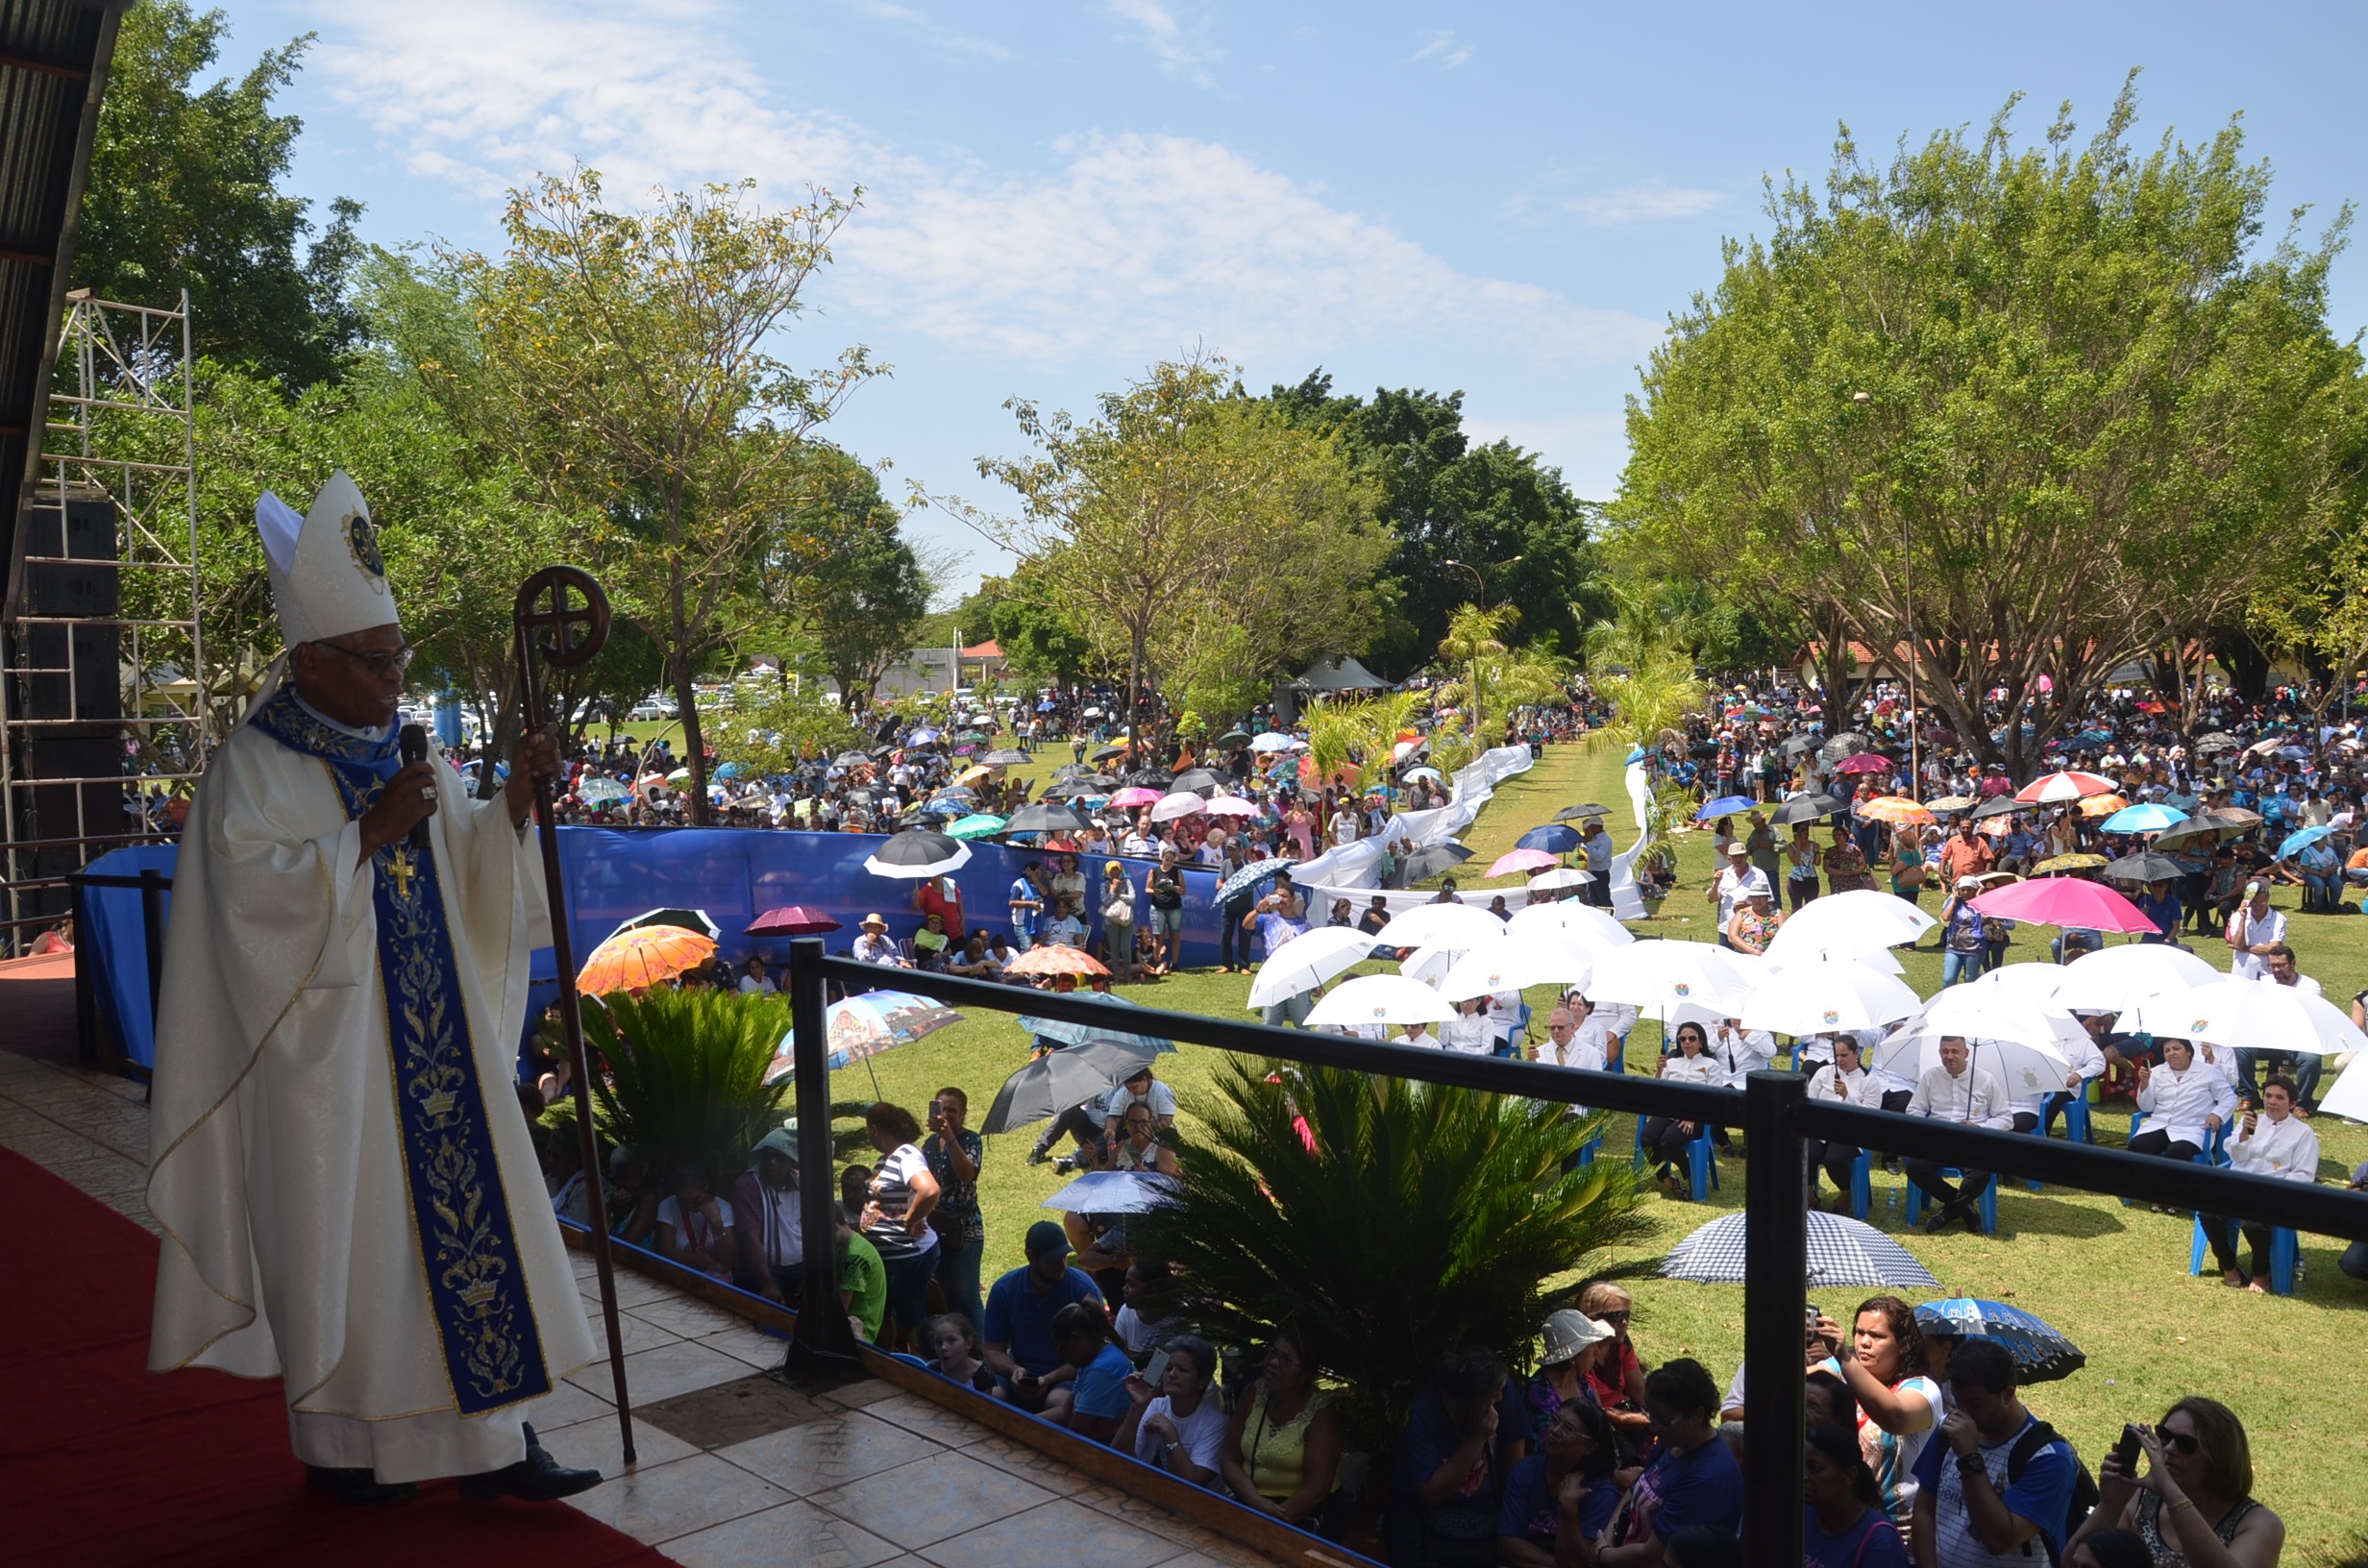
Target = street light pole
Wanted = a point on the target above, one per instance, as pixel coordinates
(1472, 669)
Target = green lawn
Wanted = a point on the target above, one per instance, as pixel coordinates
(2113, 1278)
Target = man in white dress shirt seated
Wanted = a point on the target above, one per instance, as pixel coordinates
(1956, 1090)
(1566, 1047)
(2281, 968)
(2271, 1143)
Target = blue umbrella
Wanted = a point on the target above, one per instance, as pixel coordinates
(1247, 879)
(1726, 805)
(729, 770)
(1635, 756)
(2148, 817)
(1047, 707)
(1554, 838)
(920, 737)
(1077, 1034)
(2042, 1353)
(2092, 736)
(2294, 753)
(2296, 843)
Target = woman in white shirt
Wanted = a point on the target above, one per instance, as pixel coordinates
(1666, 1136)
(1178, 1427)
(2279, 1144)
(2186, 1102)
(1843, 1079)
(1469, 1031)
(1416, 1033)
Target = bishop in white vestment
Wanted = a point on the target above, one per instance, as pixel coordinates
(347, 1187)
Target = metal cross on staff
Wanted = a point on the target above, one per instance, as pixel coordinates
(561, 615)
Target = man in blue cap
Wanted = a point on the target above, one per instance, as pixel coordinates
(1019, 1328)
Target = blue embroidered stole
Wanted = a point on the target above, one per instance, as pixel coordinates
(476, 1283)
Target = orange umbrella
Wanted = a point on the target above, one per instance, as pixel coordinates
(1898, 810)
(641, 957)
(1055, 958)
(2101, 805)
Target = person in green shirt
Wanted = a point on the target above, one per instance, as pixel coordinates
(863, 1279)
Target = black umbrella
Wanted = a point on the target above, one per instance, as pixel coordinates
(690, 919)
(914, 853)
(849, 759)
(1706, 750)
(1044, 819)
(1148, 778)
(1806, 808)
(1070, 770)
(878, 751)
(1799, 744)
(2005, 805)
(1077, 788)
(2145, 866)
(1233, 737)
(1051, 1084)
(1196, 778)
(1842, 745)
(1432, 860)
(1571, 814)
(1104, 753)
(2205, 828)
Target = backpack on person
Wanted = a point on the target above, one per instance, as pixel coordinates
(2085, 1495)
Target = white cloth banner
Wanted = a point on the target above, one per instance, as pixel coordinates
(1353, 871)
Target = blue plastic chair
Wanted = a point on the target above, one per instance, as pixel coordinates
(2214, 1152)
(2075, 1107)
(1862, 1186)
(1701, 1162)
(1987, 1204)
(1592, 1147)
(2285, 1250)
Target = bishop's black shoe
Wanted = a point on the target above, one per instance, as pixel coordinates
(539, 1478)
(358, 1485)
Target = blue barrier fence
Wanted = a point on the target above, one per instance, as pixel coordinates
(614, 874)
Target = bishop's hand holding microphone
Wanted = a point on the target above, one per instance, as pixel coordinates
(403, 808)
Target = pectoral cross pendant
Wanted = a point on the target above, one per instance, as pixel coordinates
(402, 865)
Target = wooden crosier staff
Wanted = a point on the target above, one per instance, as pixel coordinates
(565, 633)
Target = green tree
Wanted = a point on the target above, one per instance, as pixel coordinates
(1035, 629)
(1410, 1216)
(184, 193)
(2003, 411)
(634, 352)
(1493, 506)
(1184, 512)
(865, 599)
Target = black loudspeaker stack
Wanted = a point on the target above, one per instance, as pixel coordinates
(63, 669)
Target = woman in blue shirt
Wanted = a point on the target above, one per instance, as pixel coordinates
(1846, 1527)
(1564, 1492)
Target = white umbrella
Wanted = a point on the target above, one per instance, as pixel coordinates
(1464, 926)
(1380, 998)
(1429, 964)
(1307, 961)
(1561, 877)
(1229, 805)
(1847, 925)
(1997, 1012)
(1515, 963)
(2032, 983)
(1816, 998)
(1882, 960)
(2248, 1014)
(2350, 1095)
(2113, 979)
(1582, 922)
(1662, 976)
(1270, 741)
(2025, 1068)
(1168, 808)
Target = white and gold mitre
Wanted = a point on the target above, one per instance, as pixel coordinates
(327, 576)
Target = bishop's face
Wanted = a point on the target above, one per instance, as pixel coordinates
(355, 679)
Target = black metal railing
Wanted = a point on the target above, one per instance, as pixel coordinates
(1774, 1109)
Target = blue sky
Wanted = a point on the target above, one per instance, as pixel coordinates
(1505, 200)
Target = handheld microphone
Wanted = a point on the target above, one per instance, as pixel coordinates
(413, 745)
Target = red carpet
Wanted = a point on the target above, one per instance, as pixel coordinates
(102, 1463)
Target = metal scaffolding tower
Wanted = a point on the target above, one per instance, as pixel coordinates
(103, 712)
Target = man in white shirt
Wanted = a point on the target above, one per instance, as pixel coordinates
(2280, 968)
(1143, 1088)
(1738, 881)
(1565, 1049)
(1956, 1090)
(876, 947)
(1596, 848)
(2279, 1144)
(2252, 931)
(1741, 1050)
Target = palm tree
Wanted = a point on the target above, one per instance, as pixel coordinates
(1422, 1217)
(686, 1074)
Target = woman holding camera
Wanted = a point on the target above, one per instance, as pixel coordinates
(2193, 1508)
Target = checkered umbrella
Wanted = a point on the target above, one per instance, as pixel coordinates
(1841, 1251)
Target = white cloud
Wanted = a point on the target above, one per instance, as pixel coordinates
(1121, 249)
(1180, 51)
(919, 23)
(1442, 47)
(1636, 203)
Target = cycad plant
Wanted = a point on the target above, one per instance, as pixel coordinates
(686, 1074)
(1423, 1218)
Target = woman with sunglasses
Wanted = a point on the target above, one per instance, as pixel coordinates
(2193, 1508)
(1616, 1374)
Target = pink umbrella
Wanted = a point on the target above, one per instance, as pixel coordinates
(1128, 799)
(2064, 786)
(2064, 900)
(1866, 762)
(1230, 805)
(1522, 860)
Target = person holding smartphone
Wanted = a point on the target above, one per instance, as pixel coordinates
(1173, 1423)
(2194, 1502)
